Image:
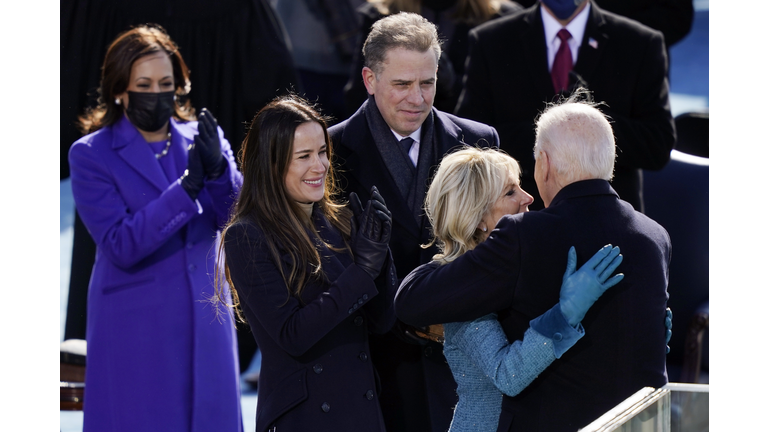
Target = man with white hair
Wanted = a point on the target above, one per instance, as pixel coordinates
(516, 273)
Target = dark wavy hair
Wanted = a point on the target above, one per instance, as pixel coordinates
(265, 157)
(128, 47)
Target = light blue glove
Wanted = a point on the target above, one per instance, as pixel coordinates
(668, 325)
(581, 289)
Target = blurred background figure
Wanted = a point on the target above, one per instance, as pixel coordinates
(453, 19)
(238, 58)
(518, 64)
(153, 186)
(673, 18)
(324, 38)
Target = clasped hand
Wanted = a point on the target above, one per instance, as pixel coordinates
(209, 146)
(581, 289)
(204, 158)
(370, 231)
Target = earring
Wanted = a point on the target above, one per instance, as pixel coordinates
(117, 101)
(485, 229)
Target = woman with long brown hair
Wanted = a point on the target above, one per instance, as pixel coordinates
(311, 276)
(152, 186)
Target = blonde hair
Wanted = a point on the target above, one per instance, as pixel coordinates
(467, 184)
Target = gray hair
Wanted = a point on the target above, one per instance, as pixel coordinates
(402, 30)
(465, 187)
(577, 138)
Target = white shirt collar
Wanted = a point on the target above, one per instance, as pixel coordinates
(576, 28)
(413, 154)
(416, 135)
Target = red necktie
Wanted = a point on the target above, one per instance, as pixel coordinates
(563, 62)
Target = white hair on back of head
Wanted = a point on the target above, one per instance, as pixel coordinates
(578, 139)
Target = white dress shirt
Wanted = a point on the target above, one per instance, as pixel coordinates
(414, 152)
(576, 28)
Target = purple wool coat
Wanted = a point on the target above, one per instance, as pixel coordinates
(158, 357)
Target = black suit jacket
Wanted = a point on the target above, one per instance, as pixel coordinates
(507, 84)
(418, 390)
(518, 272)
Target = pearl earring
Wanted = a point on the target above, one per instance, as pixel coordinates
(485, 229)
(117, 101)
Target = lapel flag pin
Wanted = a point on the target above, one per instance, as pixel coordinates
(593, 43)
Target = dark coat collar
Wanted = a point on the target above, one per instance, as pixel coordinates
(445, 129)
(583, 188)
(357, 139)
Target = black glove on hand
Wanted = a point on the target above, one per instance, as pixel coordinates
(370, 232)
(209, 146)
(192, 180)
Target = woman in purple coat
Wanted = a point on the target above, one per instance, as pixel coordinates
(312, 277)
(153, 187)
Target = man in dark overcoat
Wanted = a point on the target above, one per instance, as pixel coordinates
(395, 141)
(517, 272)
(513, 71)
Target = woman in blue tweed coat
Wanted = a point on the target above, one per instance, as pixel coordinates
(472, 189)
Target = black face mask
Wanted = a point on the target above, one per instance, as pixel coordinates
(150, 111)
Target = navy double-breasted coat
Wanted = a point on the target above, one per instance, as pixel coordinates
(316, 371)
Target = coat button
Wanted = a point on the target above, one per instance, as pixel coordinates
(365, 297)
(359, 302)
(354, 307)
(369, 395)
(351, 310)
(325, 407)
(363, 356)
(317, 368)
(557, 336)
(358, 321)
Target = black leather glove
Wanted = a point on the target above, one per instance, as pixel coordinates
(209, 146)
(192, 179)
(370, 233)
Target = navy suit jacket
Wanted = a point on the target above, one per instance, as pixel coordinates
(518, 271)
(507, 84)
(418, 390)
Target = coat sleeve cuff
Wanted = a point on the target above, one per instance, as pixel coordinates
(177, 186)
(553, 325)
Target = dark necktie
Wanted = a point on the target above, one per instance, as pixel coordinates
(563, 62)
(406, 144)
